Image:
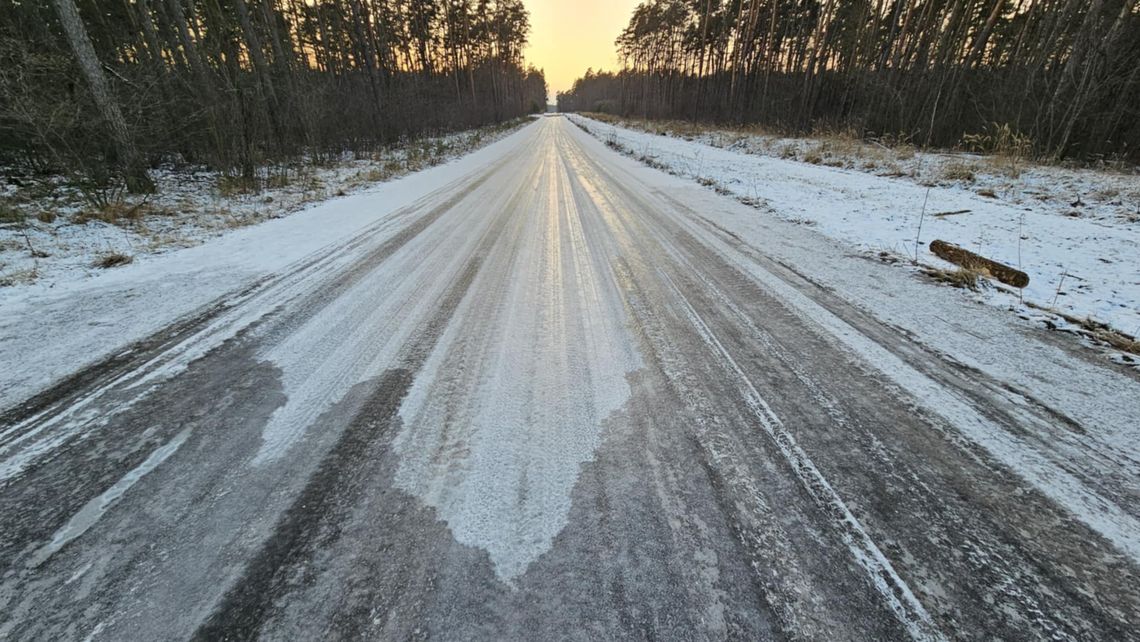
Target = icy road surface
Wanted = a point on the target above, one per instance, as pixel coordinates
(558, 397)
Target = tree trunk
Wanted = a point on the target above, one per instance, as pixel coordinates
(128, 156)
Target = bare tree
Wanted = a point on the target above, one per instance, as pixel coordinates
(133, 167)
(1061, 73)
(239, 84)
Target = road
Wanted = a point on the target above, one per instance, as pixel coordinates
(551, 401)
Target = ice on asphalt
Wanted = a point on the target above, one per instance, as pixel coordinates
(51, 333)
(499, 456)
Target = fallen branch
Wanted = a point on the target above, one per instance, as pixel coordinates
(941, 214)
(980, 264)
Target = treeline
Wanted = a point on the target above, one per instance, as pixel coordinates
(1061, 75)
(107, 87)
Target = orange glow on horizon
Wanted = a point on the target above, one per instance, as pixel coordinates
(569, 36)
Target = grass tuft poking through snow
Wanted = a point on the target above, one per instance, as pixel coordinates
(114, 259)
(964, 278)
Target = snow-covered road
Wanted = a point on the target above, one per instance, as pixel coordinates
(546, 393)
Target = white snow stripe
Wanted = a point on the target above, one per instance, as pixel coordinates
(1095, 511)
(882, 575)
(94, 509)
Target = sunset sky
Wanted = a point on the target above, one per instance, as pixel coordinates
(568, 36)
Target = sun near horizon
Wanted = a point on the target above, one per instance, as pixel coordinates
(567, 38)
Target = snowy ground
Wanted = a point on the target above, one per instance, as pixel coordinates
(73, 315)
(545, 388)
(50, 235)
(1075, 232)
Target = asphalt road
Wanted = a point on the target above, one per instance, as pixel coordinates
(548, 401)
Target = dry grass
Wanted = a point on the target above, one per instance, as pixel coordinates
(1010, 166)
(1008, 150)
(112, 259)
(1096, 330)
(20, 277)
(959, 171)
(10, 214)
(230, 186)
(118, 212)
(1105, 334)
(959, 278)
(275, 178)
(232, 221)
(842, 147)
(390, 169)
(278, 180)
(1106, 194)
(678, 128)
(813, 156)
(157, 242)
(1120, 341)
(905, 152)
(374, 175)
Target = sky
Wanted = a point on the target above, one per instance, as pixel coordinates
(569, 36)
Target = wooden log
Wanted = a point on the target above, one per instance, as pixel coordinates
(980, 264)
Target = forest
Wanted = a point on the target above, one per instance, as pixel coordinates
(1060, 78)
(104, 89)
